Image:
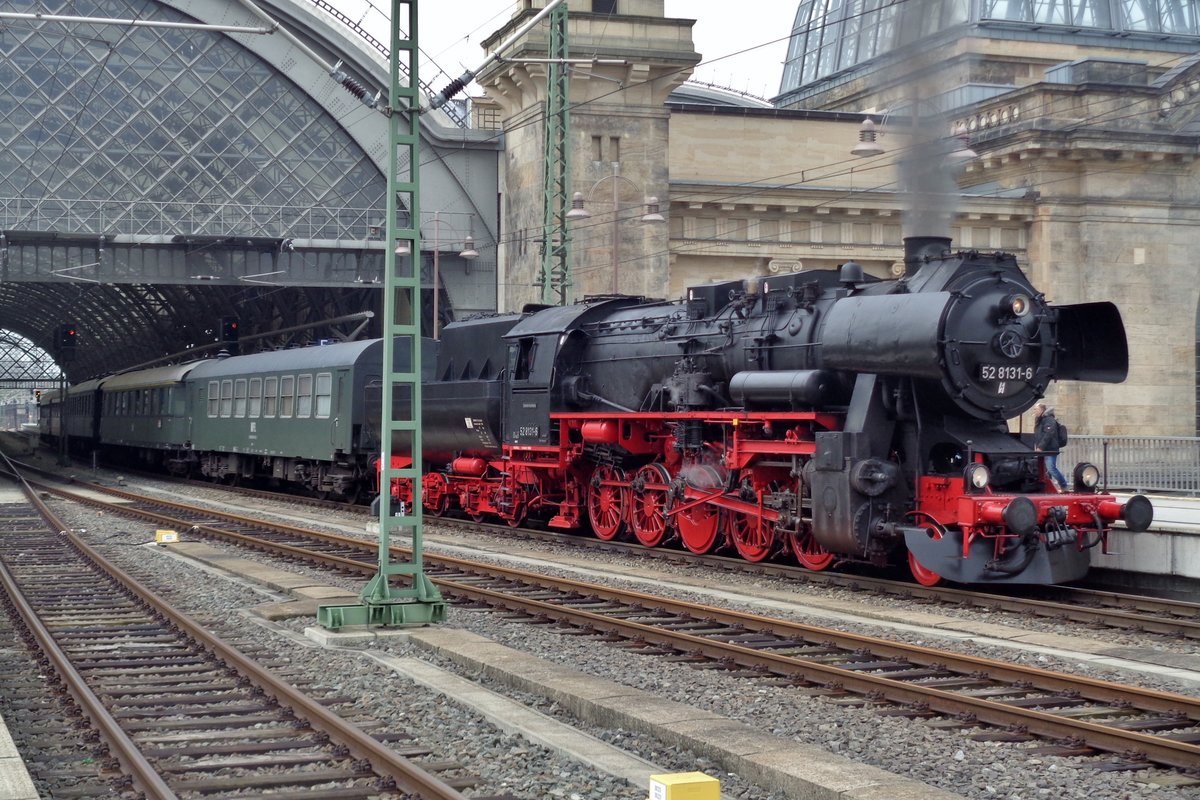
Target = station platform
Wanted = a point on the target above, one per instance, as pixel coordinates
(1167, 556)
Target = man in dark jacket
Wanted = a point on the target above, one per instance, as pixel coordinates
(1045, 440)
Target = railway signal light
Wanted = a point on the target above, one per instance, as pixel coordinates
(229, 334)
(64, 341)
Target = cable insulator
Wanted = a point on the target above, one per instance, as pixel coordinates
(354, 87)
(454, 87)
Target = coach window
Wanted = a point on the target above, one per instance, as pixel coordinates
(255, 397)
(239, 398)
(287, 395)
(227, 398)
(214, 398)
(324, 395)
(270, 396)
(304, 395)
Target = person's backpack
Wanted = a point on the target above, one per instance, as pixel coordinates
(1062, 434)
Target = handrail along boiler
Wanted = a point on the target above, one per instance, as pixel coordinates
(831, 415)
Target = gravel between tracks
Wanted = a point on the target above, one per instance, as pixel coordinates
(944, 759)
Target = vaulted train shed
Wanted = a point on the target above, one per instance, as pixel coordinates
(154, 180)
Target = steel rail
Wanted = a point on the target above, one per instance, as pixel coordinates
(142, 773)
(1111, 609)
(407, 775)
(1182, 755)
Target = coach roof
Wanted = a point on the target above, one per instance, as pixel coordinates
(347, 354)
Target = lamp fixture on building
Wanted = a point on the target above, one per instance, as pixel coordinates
(652, 215)
(867, 145)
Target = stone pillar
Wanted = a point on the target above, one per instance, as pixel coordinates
(617, 116)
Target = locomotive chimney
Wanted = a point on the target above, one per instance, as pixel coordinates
(919, 249)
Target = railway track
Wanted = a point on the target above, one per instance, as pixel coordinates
(1162, 616)
(1123, 727)
(1177, 619)
(181, 712)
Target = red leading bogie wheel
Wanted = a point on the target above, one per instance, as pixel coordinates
(649, 502)
(608, 497)
(921, 573)
(808, 551)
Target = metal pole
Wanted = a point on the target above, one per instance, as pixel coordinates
(616, 239)
(437, 246)
(381, 603)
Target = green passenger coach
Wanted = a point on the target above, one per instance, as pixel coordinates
(147, 411)
(289, 416)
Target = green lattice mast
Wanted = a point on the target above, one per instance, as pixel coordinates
(419, 602)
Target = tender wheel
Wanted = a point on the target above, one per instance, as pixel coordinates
(808, 551)
(435, 494)
(651, 499)
(922, 574)
(753, 536)
(608, 499)
(699, 526)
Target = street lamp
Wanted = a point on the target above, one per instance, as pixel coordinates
(468, 252)
(652, 214)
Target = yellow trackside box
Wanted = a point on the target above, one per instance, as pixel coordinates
(165, 537)
(684, 786)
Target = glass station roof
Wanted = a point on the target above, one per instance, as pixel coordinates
(829, 36)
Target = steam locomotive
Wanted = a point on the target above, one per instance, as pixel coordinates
(830, 415)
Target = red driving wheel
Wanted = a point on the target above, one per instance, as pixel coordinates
(753, 536)
(608, 497)
(650, 500)
(699, 526)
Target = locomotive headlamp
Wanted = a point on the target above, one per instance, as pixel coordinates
(1018, 304)
(977, 477)
(1087, 477)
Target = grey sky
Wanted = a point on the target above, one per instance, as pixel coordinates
(451, 32)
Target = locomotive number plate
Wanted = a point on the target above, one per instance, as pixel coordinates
(1005, 372)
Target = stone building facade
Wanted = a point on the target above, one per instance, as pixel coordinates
(1086, 169)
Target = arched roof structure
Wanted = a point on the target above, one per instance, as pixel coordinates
(153, 180)
(833, 38)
